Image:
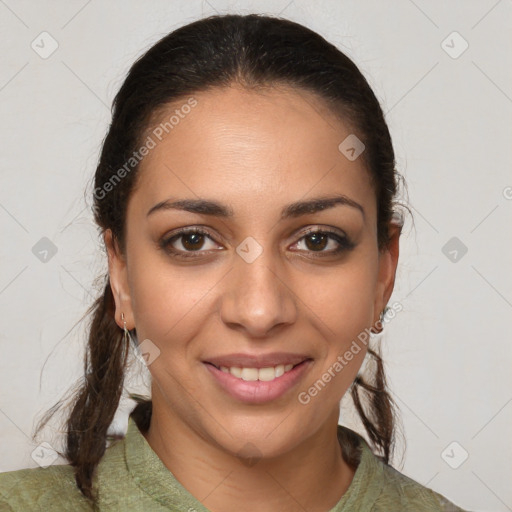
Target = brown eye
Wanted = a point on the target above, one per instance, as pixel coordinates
(192, 241)
(324, 242)
(316, 241)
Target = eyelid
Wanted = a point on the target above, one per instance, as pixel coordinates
(323, 229)
(338, 235)
(318, 228)
(167, 241)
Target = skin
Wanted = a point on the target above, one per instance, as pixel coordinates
(254, 152)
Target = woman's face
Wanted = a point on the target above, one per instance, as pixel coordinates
(256, 287)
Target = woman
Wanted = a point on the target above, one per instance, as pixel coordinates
(245, 192)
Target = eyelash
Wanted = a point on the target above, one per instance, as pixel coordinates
(345, 244)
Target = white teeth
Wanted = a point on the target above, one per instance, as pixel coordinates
(253, 374)
(250, 374)
(267, 374)
(237, 372)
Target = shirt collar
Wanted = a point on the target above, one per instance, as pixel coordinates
(154, 478)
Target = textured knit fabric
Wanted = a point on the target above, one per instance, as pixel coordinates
(131, 477)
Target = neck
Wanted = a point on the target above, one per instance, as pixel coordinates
(313, 476)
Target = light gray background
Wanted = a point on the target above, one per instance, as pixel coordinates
(449, 351)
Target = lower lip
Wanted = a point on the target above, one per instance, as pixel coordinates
(258, 391)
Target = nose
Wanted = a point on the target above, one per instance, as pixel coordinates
(257, 300)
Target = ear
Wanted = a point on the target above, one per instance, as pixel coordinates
(118, 274)
(388, 261)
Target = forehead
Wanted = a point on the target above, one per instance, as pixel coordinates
(267, 146)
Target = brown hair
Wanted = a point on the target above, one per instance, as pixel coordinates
(254, 51)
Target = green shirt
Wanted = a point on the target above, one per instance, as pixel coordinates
(131, 477)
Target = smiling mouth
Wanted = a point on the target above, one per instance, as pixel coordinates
(251, 374)
(258, 385)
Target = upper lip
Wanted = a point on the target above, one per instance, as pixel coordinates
(258, 360)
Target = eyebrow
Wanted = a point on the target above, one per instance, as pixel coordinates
(296, 209)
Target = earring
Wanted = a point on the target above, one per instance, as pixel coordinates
(126, 334)
(378, 327)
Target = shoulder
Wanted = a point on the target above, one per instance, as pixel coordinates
(51, 488)
(54, 487)
(378, 487)
(400, 490)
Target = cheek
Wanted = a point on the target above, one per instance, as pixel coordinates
(345, 304)
(172, 304)
(167, 299)
(343, 299)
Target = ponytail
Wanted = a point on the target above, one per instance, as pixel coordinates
(98, 397)
(378, 413)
